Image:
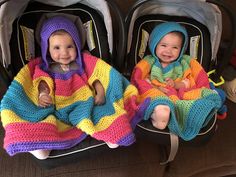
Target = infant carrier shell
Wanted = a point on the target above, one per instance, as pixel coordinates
(18, 22)
(4, 81)
(203, 22)
(98, 11)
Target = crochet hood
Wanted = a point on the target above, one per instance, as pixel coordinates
(160, 31)
(54, 24)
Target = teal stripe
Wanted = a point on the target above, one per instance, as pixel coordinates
(17, 101)
(199, 113)
(84, 110)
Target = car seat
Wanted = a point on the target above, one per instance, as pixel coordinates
(22, 46)
(203, 22)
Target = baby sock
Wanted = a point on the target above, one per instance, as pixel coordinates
(111, 145)
(40, 154)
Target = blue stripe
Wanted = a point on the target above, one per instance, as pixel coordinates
(17, 101)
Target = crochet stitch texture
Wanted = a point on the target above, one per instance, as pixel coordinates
(191, 108)
(73, 116)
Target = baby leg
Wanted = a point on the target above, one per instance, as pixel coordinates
(40, 154)
(160, 116)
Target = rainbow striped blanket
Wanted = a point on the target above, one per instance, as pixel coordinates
(192, 108)
(73, 116)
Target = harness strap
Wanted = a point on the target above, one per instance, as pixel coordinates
(174, 144)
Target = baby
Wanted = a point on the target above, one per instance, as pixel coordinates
(176, 83)
(66, 95)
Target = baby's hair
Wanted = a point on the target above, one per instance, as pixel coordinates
(59, 32)
(178, 33)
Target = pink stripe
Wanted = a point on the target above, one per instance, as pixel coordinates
(31, 65)
(89, 63)
(131, 107)
(202, 79)
(119, 129)
(68, 87)
(140, 82)
(35, 132)
(35, 70)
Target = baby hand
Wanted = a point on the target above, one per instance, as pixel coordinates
(186, 82)
(99, 99)
(44, 99)
(148, 80)
(170, 82)
(163, 89)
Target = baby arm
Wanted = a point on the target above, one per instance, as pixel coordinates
(44, 97)
(99, 98)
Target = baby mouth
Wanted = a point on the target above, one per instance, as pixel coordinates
(167, 56)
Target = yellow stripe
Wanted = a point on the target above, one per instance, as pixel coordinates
(61, 126)
(88, 127)
(13, 118)
(101, 73)
(80, 95)
(10, 117)
(31, 86)
(130, 91)
(51, 119)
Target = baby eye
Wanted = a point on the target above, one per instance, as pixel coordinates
(71, 46)
(56, 47)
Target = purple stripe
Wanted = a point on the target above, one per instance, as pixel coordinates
(140, 113)
(15, 148)
(63, 76)
(127, 140)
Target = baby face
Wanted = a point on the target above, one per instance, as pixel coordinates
(62, 48)
(169, 47)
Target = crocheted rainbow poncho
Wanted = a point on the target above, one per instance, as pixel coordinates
(72, 116)
(192, 108)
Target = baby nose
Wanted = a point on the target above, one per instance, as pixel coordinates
(168, 50)
(64, 51)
